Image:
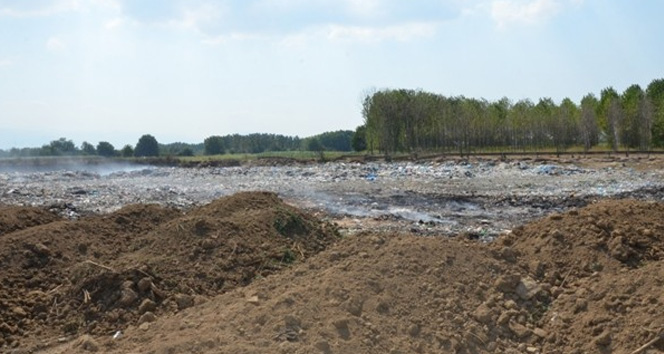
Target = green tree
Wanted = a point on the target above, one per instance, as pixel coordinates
(609, 116)
(186, 152)
(359, 140)
(314, 145)
(88, 149)
(127, 151)
(62, 146)
(147, 146)
(106, 149)
(214, 145)
(589, 125)
(655, 93)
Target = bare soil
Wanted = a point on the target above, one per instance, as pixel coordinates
(102, 273)
(250, 274)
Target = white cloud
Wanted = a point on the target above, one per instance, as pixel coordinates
(363, 7)
(114, 23)
(55, 44)
(202, 19)
(234, 37)
(401, 32)
(505, 12)
(6, 62)
(49, 8)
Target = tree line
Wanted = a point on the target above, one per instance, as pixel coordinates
(400, 120)
(148, 145)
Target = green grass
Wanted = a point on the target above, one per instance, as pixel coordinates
(296, 155)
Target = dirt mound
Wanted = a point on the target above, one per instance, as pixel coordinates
(40, 264)
(230, 242)
(102, 273)
(19, 218)
(367, 294)
(603, 266)
(532, 292)
(630, 232)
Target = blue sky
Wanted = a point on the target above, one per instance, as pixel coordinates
(112, 70)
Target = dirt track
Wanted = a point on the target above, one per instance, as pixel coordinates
(245, 274)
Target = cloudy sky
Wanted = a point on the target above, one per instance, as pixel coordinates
(181, 70)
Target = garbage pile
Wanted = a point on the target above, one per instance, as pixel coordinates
(481, 197)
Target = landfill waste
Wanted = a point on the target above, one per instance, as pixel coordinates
(454, 194)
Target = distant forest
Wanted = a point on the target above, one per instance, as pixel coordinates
(148, 145)
(412, 121)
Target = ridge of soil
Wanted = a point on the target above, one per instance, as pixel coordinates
(587, 281)
(99, 274)
(19, 218)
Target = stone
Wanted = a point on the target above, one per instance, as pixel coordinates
(147, 317)
(557, 234)
(510, 304)
(342, 328)
(483, 314)
(540, 332)
(42, 250)
(5, 328)
(184, 301)
(527, 288)
(19, 311)
(147, 305)
(603, 339)
(506, 283)
(520, 330)
(414, 330)
(144, 284)
(127, 297)
(508, 254)
(87, 343)
(354, 306)
(505, 317)
(323, 346)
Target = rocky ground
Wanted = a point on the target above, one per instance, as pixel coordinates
(208, 270)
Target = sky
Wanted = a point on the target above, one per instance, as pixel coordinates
(113, 70)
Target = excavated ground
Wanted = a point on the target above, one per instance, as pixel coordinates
(219, 279)
(248, 273)
(97, 275)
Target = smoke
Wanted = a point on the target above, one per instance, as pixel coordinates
(41, 165)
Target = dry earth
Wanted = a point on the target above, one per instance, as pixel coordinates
(249, 273)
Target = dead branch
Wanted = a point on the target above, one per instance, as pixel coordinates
(100, 265)
(54, 290)
(650, 343)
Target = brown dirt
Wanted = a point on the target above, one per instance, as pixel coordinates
(586, 281)
(19, 218)
(102, 273)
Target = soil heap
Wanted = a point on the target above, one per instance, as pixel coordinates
(100, 274)
(19, 218)
(586, 281)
